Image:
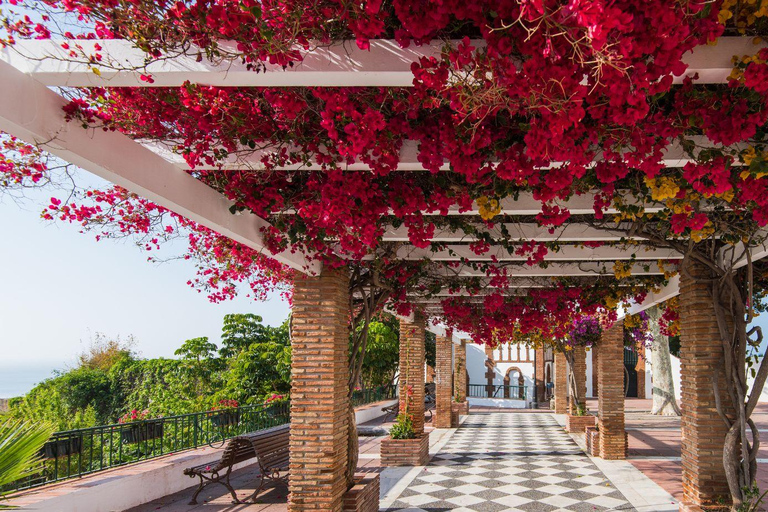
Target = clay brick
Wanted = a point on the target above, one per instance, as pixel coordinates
(578, 423)
(412, 336)
(319, 390)
(561, 383)
(539, 370)
(703, 431)
(460, 374)
(580, 371)
(443, 383)
(405, 452)
(613, 440)
(363, 496)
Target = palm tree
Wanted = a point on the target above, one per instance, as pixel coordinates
(20, 444)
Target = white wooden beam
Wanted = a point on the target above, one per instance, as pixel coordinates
(555, 269)
(672, 289)
(566, 253)
(32, 112)
(341, 64)
(520, 231)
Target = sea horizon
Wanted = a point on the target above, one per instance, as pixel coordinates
(17, 379)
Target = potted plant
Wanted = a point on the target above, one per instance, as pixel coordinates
(225, 413)
(62, 447)
(139, 427)
(403, 446)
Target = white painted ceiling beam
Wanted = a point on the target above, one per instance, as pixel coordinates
(33, 113)
(566, 253)
(341, 64)
(520, 231)
(556, 269)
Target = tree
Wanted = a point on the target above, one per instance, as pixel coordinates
(240, 330)
(664, 401)
(197, 349)
(383, 352)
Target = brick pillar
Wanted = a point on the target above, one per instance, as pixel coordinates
(412, 369)
(640, 369)
(580, 371)
(595, 364)
(561, 383)
(319, 403)
(703, 431)
(443, 391)
(540, 371)
(460, 379)
(611, 399)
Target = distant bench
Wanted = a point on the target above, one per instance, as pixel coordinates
(269, 447)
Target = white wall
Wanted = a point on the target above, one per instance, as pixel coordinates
(590, 373)
(476, 363)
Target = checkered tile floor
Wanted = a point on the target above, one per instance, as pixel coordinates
(513, 462)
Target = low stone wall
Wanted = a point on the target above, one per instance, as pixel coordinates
(578, 423)
(405, 452)
(364, 495)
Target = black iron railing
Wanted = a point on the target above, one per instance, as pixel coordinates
(80, 452)
(498, 391)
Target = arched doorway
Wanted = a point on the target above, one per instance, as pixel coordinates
(520, 391)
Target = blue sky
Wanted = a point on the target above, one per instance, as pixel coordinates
(59, 287)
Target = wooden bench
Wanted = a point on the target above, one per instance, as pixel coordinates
(269, 447)
(429, 405)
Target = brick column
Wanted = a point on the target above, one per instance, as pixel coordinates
(412, 369)
(540, 371)
(611, 398)
(703, 431)
(580, 371)
(319, 403)
(561, 383)
(595, 362)
(460, 379)
(443, 381)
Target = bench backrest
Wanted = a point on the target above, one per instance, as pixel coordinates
(271, 446)
(237, 450)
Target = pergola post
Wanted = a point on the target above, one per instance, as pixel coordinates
(613, 438)
(319, 391)
(461, 387)
(580, 374)
(411, 382)
(703, 431)
(443, 383)
(561, 383)
(595, 363)
(540, 371)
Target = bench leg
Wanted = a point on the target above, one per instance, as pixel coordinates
(200, 487)
(235, 499)
(259, 487)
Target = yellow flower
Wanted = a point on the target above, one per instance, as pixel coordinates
(488, 208)
(662, 188)
(622, 269)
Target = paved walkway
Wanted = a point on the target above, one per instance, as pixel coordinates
(514, 462)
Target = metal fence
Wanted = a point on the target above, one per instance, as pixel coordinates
(80, 452)
(499, 391)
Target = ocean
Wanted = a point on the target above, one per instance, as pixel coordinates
(18, 379)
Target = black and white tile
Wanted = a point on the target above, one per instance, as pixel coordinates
(511, 462)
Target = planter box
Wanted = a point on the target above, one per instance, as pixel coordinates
(405, 452)
(62, 447)
(144, 431)
(592, 436)
(225, 418)
(461, 408)
(363, 496)
(579, 423)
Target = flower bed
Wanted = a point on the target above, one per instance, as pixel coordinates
(405, 452)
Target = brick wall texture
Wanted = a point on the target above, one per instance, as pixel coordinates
(580, 371)
(364, 494)
(319, 403)
(703, 431)
(640, 368)
(460, 373)
(540, 372)
(443, 382)
(561, 384)
(611, 398)
(412, 369)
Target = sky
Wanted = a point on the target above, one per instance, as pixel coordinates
(58, 287)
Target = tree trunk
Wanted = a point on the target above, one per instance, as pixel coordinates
(664, 402)
(353, 446)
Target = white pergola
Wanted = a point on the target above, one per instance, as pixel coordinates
(31, 109)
